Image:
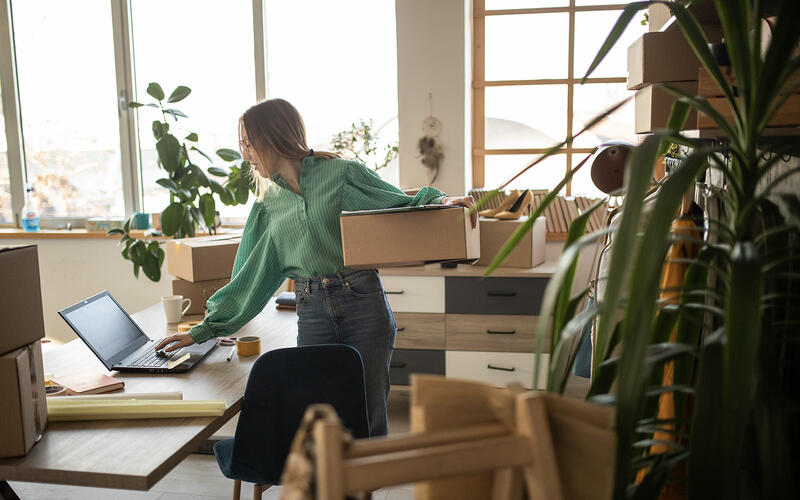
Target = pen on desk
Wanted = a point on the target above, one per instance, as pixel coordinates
(231, 353)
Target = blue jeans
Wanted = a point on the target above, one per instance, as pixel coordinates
(350, 308)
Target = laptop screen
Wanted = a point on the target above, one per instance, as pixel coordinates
(102, 324)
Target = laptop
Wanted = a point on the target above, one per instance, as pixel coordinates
(118, 341)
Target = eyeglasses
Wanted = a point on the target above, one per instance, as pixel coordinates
(244, 144)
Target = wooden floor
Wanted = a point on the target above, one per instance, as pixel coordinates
(198, 477)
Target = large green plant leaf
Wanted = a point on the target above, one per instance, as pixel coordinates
(155, 91)
(229, 154)
(742, 327)
(180, 93)
(169, 152)
(208, 209)
(641, 304)
(172, 218)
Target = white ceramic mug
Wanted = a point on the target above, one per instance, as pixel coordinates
(172, 307)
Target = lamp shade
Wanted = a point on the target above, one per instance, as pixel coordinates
(608, 166)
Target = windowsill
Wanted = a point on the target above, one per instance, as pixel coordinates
(77, 234)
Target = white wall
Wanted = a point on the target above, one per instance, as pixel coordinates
(433, 57)
(73, 269)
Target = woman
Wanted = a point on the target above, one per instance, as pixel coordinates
(293, 231)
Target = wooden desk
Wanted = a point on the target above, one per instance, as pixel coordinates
(136, 454)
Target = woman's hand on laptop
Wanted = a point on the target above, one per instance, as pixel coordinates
(176, 341)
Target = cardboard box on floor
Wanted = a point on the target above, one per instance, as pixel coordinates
(198, 291)
(20, 297)
(24, 407)
(653, 105)
(408, 236)
(529, 252)
(202, 259)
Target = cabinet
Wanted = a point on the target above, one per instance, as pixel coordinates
(457, 323)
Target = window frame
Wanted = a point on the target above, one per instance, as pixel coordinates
(130, 160)
(479, 84)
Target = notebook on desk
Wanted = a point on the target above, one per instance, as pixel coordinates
(118, 341)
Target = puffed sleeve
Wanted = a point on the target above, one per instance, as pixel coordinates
(256, 276)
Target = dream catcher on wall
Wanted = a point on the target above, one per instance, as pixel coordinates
(429, 147)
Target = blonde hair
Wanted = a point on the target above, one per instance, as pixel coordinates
(275, 125)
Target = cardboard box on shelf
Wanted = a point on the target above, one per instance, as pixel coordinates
(660, 57)
(788, 115)
(530, 251)
(653, 105)
(24, 408)
(202, 259)
(408, 236)
(198, 291)
(20, 297)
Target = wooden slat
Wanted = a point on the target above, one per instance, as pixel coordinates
(391, 444)
(437, 462)
(478, 94)
(549, 10)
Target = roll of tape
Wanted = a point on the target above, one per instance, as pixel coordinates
(187, 325)
(248, 346)
(55, 390)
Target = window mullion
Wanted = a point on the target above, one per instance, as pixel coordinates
(260, 49)
(15, 152)
(570, 88)
(129, 150)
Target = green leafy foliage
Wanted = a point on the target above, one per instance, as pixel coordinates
(360, 143)
(733, 336)
(192, 205)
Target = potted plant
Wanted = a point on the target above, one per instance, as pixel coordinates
(191, 191)
(736, 321)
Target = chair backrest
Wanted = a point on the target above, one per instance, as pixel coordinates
(282, 384)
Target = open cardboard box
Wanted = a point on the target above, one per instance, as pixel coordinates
(408, 236)
(529, 252)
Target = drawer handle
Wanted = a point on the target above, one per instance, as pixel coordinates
(500, 368)
(398, 365)
(492, 293)
(389, 292)
(501, 332)
(402, 328)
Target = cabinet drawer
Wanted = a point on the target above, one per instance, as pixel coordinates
(415, 293)
(496, 368)
(408, 361)
(492, 332)
(474, 295)
(419, 331)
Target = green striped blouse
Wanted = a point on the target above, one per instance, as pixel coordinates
(297, 235)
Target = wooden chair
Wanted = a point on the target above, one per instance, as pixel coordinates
(499, 443)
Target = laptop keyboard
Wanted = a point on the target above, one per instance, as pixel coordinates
(150, 358)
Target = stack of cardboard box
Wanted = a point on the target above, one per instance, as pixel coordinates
(201, 266)
(663, 57)
(23, 411)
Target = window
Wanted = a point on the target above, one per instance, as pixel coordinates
(6, 212)
(527, 97)
(73, 67)
(210, 50)
(337, 63)
(67, 96)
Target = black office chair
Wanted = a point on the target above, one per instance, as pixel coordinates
(282, 384)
